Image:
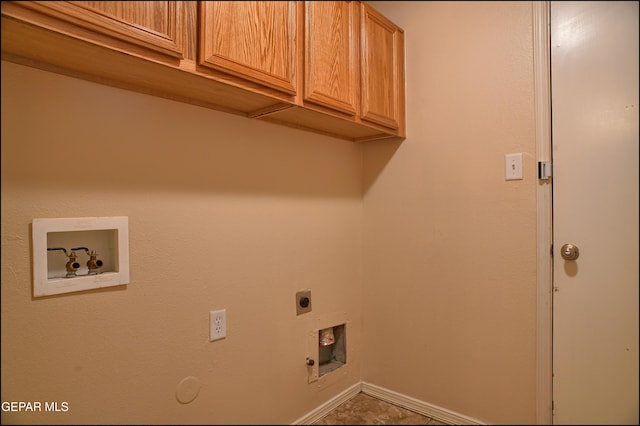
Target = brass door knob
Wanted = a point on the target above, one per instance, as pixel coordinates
(569, 252)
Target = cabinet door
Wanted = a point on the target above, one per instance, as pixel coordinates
(331, 54)
(382, 68)
(154, 25)
(254, 40)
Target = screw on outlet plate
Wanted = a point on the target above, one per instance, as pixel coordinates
(303, 302)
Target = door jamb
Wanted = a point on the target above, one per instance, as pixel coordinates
(544, 213)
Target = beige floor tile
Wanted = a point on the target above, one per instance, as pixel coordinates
(367, 410)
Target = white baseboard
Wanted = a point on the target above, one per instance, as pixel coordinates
(430, 410)
(328, 406)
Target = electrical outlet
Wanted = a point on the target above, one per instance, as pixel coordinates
(217, 324)
(303, 302)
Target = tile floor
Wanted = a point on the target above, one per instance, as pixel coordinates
(364, 409)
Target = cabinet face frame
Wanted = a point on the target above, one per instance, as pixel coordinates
(135, 49)
(237, 38)
(82, 15)
(331, 59)
(382, 65)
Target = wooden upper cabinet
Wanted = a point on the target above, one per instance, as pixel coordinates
(382, 57)
(255, 40)
(331, 62)
(331, 67)
(152, 25)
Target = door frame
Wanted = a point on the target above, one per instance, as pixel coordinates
(544, 213)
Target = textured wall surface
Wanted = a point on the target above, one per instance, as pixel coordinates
(422, 245)
(450, 246)
(223, 212)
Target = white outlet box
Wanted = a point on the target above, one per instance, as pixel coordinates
(217, 324)
(53, 238)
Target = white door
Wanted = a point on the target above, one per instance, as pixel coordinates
(594, 98)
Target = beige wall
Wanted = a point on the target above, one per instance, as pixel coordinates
(223, 212)
(438, 279)
(449, 284)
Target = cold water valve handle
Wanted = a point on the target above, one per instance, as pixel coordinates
(93, 264)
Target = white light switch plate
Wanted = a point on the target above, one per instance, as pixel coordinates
(513, 166)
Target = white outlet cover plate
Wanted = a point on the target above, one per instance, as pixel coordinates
(217, 324)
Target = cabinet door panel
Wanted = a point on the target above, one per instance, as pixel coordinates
(331, 54)
(255, 40)
(382, 69)
(155, 25)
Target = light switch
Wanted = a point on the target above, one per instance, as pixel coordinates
(513, 166)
